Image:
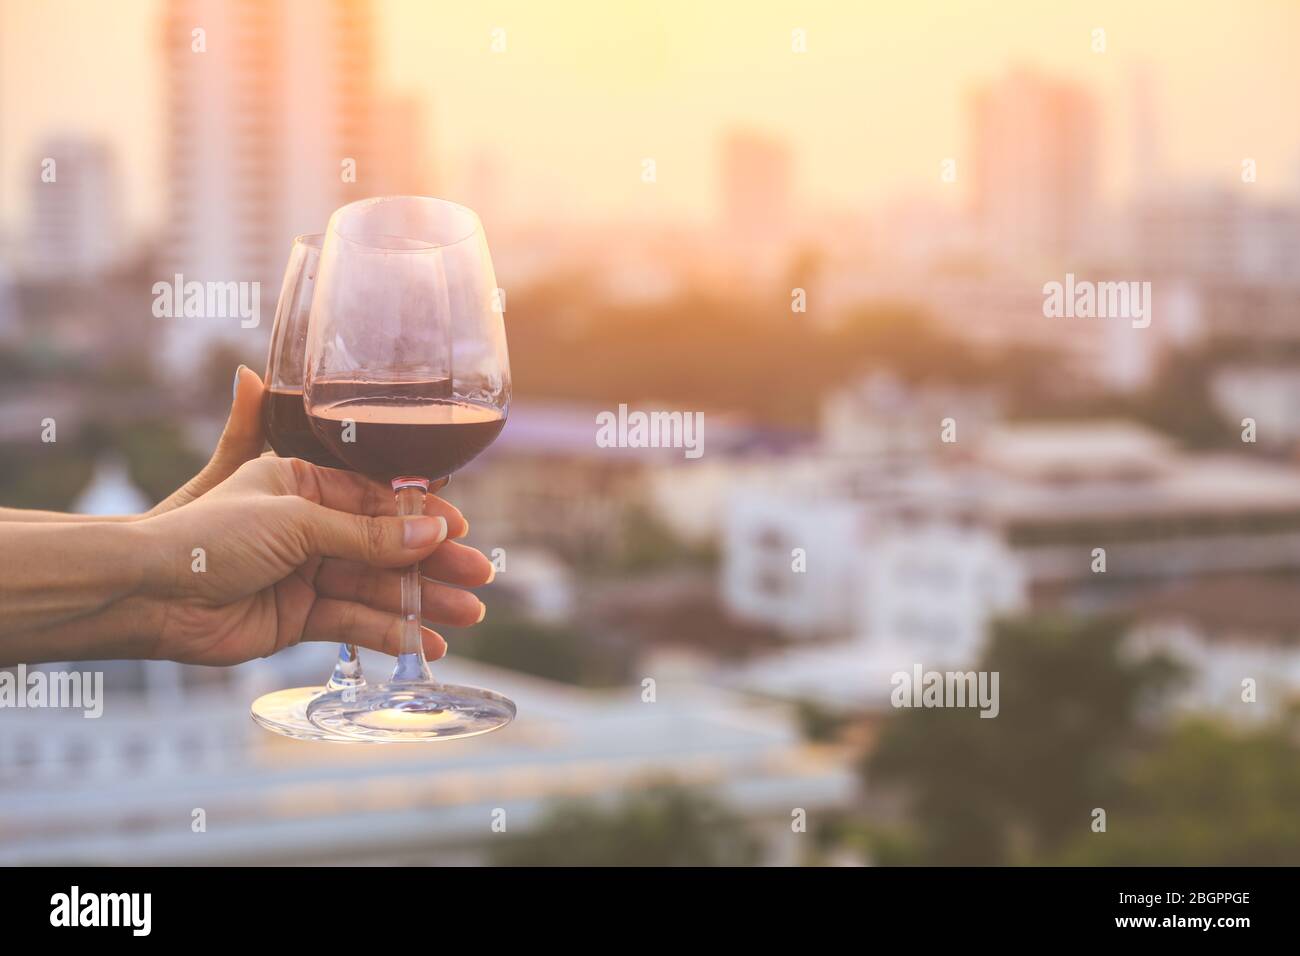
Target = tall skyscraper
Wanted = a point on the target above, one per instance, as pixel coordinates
(1147, 154)
(269, 113)
(1035, 165)
(74, 228)
(757, 179)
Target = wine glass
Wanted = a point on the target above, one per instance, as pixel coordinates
(406, 380)
(283, 416)
(285, 422)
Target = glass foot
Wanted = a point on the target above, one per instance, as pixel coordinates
(285, 712)
(410, 711)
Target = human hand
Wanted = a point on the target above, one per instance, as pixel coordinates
(294, 552)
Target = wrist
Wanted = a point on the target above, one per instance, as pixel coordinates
(130, 623)
(156, 557)
(72, 591)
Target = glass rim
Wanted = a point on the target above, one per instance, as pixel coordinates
(424, 246)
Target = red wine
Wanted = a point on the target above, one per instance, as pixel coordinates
(411, 430)
(289, 431)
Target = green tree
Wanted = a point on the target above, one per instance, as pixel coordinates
(47, 476)
(158, 456)
(817, 723)
(649, 544)
(1180, 404)
(1016, 787)
(664, 825)
(1208, 796)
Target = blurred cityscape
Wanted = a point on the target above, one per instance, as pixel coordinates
(906, 462)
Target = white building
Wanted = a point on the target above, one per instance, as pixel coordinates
(882, 526)
(888, 559)
(689, 497)
(764, 547)
(1236, 637)
(547, 483)
(1266, 393)
(882, 420)
(539, 581)
(920, 557)
(74, 217)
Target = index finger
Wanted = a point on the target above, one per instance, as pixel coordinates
(353, 492)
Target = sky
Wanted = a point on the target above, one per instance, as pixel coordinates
(585, 90)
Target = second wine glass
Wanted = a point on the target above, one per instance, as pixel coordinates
(284, 419)
(406, 380)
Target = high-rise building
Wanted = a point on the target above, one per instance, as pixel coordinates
(75, 227)
(1035, 165)
(1148, 170)
(757, 179)
(269, 114)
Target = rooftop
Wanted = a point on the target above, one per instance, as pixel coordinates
(1200, 485)
(1232, 606)
(1078, 450)
(570, 429)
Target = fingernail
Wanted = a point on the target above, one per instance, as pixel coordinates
(492, 574)
(464, 527)
(422, 532)
(234, 390)
(482, 612)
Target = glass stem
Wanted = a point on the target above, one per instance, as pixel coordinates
(347, 669)
(411, 665)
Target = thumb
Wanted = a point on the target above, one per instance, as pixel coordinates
(242, 439)
(385, 542)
